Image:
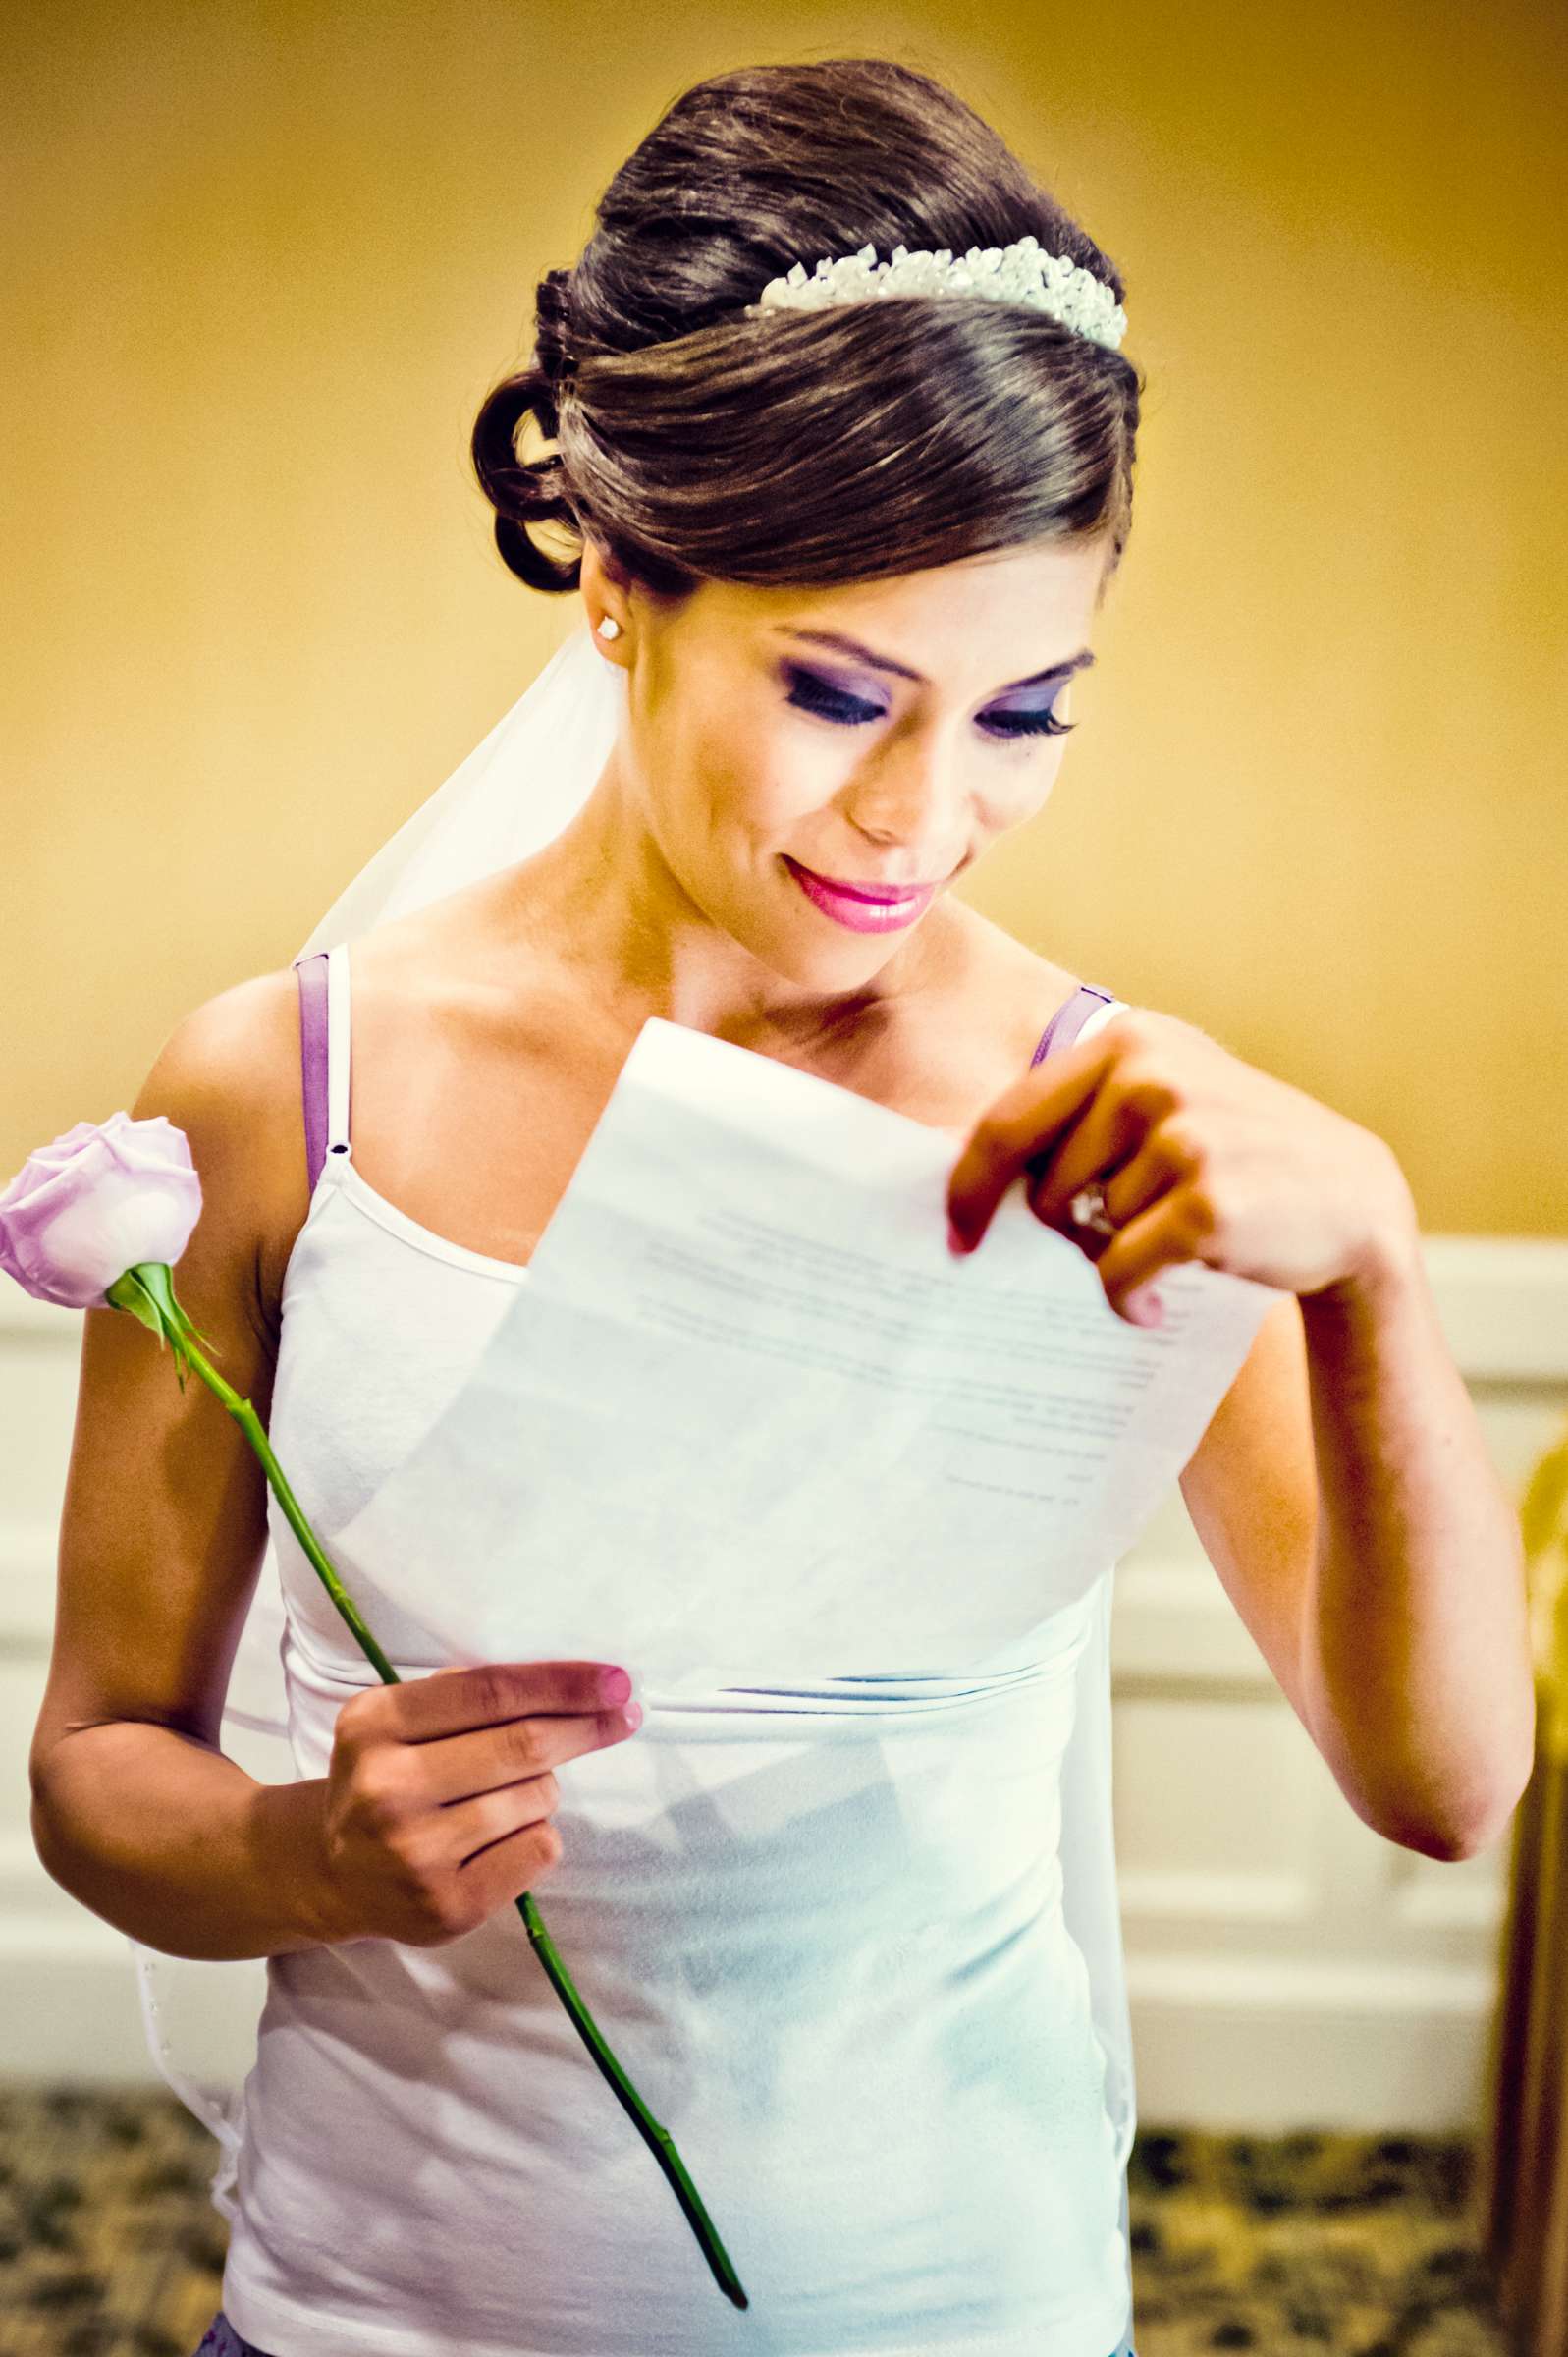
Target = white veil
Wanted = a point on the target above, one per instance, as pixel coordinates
(515, 791)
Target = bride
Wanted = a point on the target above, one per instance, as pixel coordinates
(844, 443)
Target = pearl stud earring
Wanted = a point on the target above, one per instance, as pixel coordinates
(609, 628)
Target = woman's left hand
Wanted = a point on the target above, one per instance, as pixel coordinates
(1208, 1160)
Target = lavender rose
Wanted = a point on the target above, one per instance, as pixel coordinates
(102, 1197)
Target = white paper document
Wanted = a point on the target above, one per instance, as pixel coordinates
(746, 1419)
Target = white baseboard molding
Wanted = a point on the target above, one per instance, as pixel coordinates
(1232, 2043)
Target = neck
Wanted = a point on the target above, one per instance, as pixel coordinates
(602, 902)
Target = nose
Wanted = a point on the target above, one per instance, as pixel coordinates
(909, 796)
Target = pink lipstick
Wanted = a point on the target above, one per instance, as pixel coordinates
(862, 909)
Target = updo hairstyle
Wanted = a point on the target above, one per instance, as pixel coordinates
(810, 448)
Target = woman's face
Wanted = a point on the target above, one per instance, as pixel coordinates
(765, 751)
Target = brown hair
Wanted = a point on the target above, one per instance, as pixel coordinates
(799, 447)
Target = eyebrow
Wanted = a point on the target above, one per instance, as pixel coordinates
(865, 654)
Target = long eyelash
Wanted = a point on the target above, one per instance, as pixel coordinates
(812, 694)
(1037, 724)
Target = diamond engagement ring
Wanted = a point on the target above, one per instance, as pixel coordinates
(1088, 1210)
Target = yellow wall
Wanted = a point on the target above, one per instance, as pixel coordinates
(262, 262)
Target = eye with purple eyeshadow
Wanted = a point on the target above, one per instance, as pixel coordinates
(809, 693)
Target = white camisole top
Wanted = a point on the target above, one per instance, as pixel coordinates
(838, 1936)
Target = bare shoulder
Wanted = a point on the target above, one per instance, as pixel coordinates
(231, 1039)
(1008, 991)
(228, 1076)
(452, 961)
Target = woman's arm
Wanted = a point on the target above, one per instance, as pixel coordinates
(135, 1811)
(1343, 1493)
(1417, 1649)
(171, 1840)
(1378, 1557)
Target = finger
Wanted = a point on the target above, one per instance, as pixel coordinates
(451, 1701)
(1026, 1121)
(475, 1829)
(1130, 1190)
(491, 1757)
(1104, 1144)
(1153, 1242)
(489, 1878)
(1137, 1184)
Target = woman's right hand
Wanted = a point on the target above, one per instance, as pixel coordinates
(439, 1791)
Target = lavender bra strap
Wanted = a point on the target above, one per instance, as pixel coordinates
(312, 973)
(1070, 1019)
(1061, 1030)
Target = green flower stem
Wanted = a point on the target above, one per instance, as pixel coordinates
(147, 1291)
(657, 2138)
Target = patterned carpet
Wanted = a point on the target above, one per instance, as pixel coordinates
(1359, 2246)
